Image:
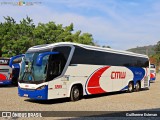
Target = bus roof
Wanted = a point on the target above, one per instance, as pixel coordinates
(50, 46)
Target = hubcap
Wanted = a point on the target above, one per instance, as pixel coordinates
(130, 87)
(76, 93)
(137, 86)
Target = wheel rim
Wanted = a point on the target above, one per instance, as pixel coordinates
(76, 93)
(137, 86)
(130, 87)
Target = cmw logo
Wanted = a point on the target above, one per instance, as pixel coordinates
(118, 75)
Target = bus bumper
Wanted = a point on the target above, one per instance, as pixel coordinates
(5, 82)
(152, 79)
(34, 94)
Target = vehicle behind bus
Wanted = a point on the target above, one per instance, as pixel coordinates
(152, 72)
(5, 72)
(9, 74)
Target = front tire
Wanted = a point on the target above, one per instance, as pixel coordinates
(75, 93)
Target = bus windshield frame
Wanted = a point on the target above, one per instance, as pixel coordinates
(32, 73)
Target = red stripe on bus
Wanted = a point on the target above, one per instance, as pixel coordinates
(3, 77)
(152, 75)
(94, 81)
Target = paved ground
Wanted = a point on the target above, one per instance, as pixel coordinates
(143, 100)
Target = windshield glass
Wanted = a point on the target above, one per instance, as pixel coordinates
(30, 72)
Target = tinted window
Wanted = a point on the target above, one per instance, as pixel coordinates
(57, 62)
(84, 56)
(65, 50)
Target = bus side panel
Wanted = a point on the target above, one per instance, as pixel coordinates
(142, 75)
(57, 89)
(96, 79)
(112, 79)
(79, 74)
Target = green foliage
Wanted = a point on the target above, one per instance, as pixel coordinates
(106, 46)
(157, 48)
(16, 38)
(157, 55)
(144, 50)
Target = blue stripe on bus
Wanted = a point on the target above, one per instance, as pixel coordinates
(153, 79)
(138, 73)
(125, 88)
(34, 94)
(5, 82)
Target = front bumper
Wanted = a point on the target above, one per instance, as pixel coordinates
(152, 79)
(34, 94)
(5, 82)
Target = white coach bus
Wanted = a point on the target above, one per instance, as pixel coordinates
(73, 70)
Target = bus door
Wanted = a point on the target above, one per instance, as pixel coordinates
(56, 65)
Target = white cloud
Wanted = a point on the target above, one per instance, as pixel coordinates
(121, 33)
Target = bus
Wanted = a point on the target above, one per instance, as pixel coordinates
(70, 70)
(9, 73)
(152, 73)
(5, 72)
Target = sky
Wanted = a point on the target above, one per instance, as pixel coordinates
(120, 24)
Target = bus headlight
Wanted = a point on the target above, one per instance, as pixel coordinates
(41, 87)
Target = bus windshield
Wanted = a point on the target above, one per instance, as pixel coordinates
(50, 65)
(30, 72)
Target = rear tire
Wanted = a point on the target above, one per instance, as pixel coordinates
(75, 93)
(130, 87)
(137, 87)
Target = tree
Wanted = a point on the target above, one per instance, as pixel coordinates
(157, 49)
(16, 38)
(106, 46)
(156, 56)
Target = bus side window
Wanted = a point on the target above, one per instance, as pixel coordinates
(56, 66)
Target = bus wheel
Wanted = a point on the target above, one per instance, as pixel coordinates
(137, 87)
(130, 87)
(75, 93)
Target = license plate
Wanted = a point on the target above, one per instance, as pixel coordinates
(25, 95)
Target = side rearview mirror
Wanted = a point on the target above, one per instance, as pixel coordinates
(13, 58)
(40, 57)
